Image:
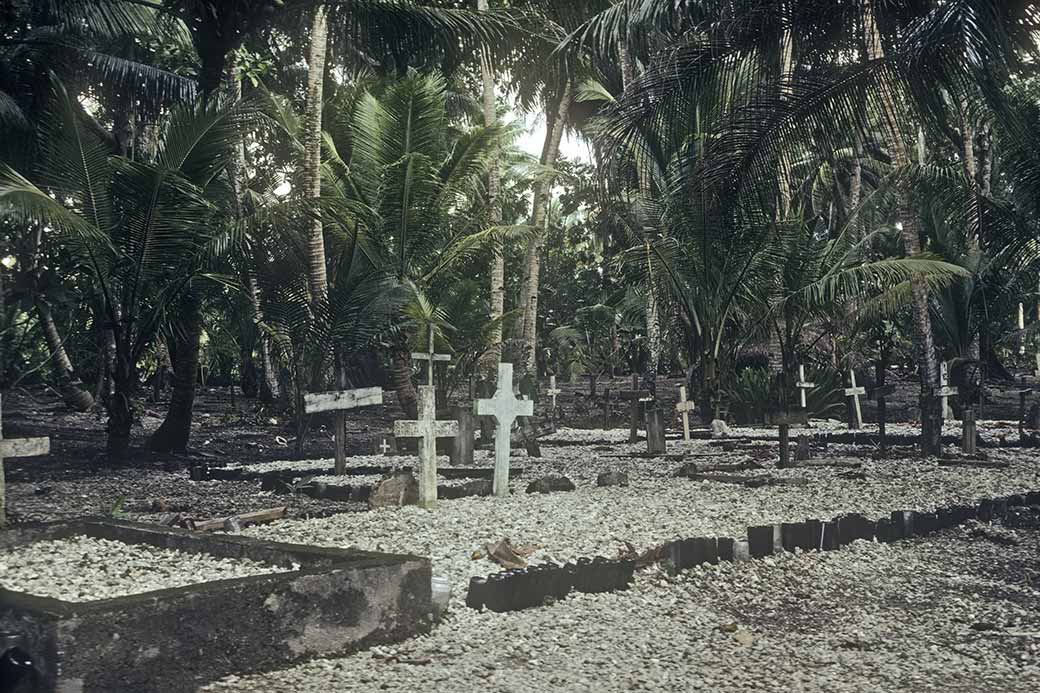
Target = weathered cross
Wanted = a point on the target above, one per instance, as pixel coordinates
(430, 357)
(684, 407)
(16, 447)
(427, 429)
(553, 391)
(385, 447)
(855, 392)
(637, 397)
(340, 402)
(505, 407)
(803, 386)
(945, 391)
(1036, 373)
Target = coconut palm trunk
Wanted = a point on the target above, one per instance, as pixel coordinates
(74, 396)
(317, 276)
(490, 359)
(533, 258)
(924, 345)
(173, 434)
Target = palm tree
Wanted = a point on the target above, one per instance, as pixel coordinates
(916, 51)
(143, 258)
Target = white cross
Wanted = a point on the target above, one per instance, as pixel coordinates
(945, 390)
(16, 447)
(1022, 327)
(339, 402)
(427, 429)
(804, 386)
(854, 392)
(553, 391)
(384, 447)
(1036, 373)
(684, 407)
(429, 357)
(505, 407)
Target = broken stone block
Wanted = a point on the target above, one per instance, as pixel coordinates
(397, 490)
(612, 478)
(550, 484)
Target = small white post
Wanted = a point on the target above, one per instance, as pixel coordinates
(1022, 328)
(945, 391)
(552, 392)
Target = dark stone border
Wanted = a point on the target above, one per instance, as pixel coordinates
(330, 601)
(202, 471)
(511, 590)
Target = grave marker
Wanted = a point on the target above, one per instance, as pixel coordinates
(1022, 329)
(430, 357)
(684, 407)
(462, 447)
(16, 447)
(945, 390)
(427, 429)
(969, 441)
(1036, 371)
(339, 402)
(553, 391)
(854, 391)
(655, 438)
(879, 394)
(803, 386)
(636, 397)
(385, 447)
(505, 407)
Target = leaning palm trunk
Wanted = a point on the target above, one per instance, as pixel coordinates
(928, 370)
(74, 396)
(533, 259)
(173, 434)
(401, 381)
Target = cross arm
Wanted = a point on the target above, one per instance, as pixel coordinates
(346, 399)
(24, 447)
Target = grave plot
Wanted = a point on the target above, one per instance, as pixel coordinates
(952, 612)
(117, 606)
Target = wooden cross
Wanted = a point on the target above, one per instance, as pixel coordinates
(637, 397)
(552, 392)
(430, 357)
(505, 407)
(855, 392)
(684, 407)
(945, 391)
(339, 402)
(427, 429)
(16, 447)
(803, 386)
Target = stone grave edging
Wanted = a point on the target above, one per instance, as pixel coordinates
(523, 588)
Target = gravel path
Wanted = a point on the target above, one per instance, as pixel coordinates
(654, 509)
(946, 614)
(84, 569)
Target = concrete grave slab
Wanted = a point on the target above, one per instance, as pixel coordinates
(330, 601)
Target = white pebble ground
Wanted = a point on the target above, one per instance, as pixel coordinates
(84, 569)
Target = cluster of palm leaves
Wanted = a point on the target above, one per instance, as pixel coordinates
(827, 182)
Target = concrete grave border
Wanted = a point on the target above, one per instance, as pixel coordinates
(331, 602)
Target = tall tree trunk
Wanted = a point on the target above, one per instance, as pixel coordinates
(653, 320)
(401, 381)
(490, 359)
(120, 407)
(533, 259)
(924, 346)
(317, 277)
(266, 385)
(75, 397)
(173, 434)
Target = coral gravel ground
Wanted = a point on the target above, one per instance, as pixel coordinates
(951, 613)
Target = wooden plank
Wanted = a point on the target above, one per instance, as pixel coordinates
(239, 521)
(24, 447)
(346, 399)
